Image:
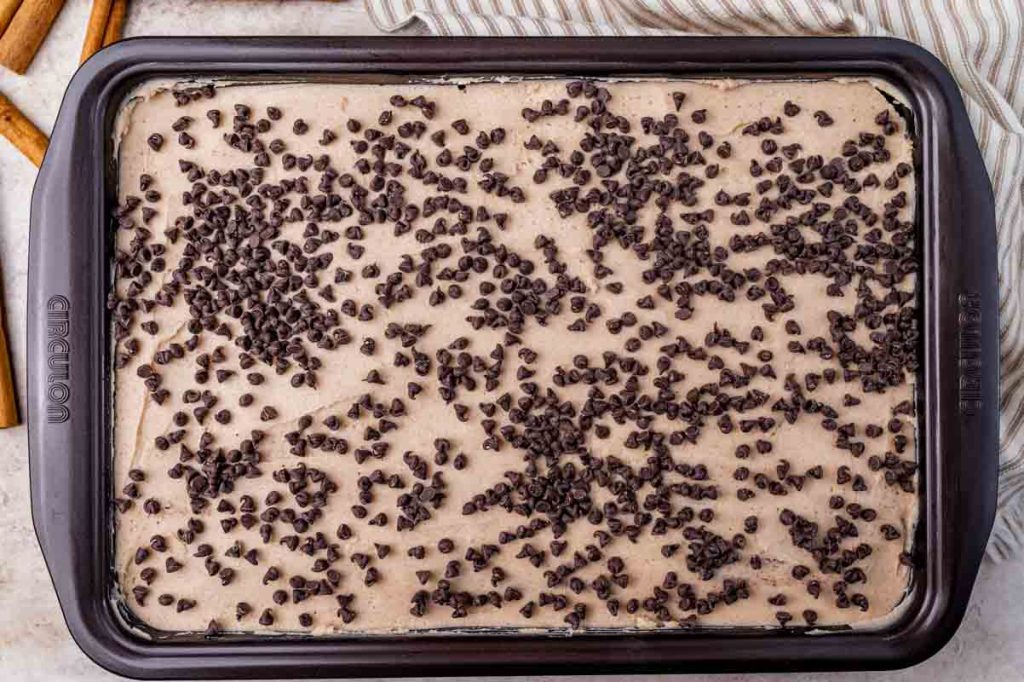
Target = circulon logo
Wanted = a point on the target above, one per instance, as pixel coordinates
(969, 352)
(58, 351)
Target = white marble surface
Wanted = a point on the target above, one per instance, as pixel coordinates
(34, 643)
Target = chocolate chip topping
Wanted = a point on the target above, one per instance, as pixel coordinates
(540, 409)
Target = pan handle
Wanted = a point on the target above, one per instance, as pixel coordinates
(65, 379)
(967, 375)
(973, 311)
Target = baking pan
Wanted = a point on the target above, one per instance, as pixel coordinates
(69, 375)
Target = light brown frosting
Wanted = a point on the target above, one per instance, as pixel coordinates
(385, 606)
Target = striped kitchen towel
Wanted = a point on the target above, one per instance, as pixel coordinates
(981, 41)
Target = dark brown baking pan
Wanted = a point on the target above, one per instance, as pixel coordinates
(69, 365)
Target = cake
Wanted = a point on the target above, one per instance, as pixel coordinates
(513, 354)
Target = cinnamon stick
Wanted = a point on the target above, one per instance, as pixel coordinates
(7, 10)
(115, 22)
(8, 402)
(22, 133)
(96, 28)
(25, 34)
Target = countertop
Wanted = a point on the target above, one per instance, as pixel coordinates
(34, 642)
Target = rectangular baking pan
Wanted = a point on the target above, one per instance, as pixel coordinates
(69, 366)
